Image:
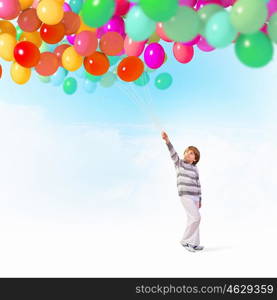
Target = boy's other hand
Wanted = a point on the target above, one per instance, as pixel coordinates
(200, 204)
(165, 136)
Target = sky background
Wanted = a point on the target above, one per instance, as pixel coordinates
(88, 188)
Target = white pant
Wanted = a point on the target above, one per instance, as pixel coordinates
(191, 234)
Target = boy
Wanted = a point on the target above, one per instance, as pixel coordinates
(189, 190)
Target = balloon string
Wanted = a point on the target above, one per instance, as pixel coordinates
(130, 96)
(149, 110)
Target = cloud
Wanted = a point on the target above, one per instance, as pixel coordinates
(84, 171)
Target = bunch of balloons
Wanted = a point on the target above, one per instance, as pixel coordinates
(106, 40)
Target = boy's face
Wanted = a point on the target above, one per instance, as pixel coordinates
(189, 156)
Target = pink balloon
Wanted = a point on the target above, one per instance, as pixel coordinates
(264, 29)
(192, 42)
(71, 38)
(160, 32)
(35, 3)
(183, 53)
(66, 7)
(116, 24)
(9, 9)
(271, 7)
(189, 3)
(204, 46)
(85, 43)
(201, 3)
(227, 3)
(154, 55)
(133, 48)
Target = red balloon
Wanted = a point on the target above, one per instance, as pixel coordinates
(71, 22)
(59, 52)
(28, 20)
(97, 63)
(130, 68)
(0, 71)
(48, 64)
(183, 53)
(52, 34)
(121, 7)
(26, 54)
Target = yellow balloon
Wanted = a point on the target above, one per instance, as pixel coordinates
(7, 27)
(7, 44)
(25, 3)
(33, 37)
(83, 27)
(60, 1)
(50, 11)
(71, 60)
(19, 74)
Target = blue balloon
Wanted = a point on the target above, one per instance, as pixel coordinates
(89, 86)
(219, 30)
(143, 79)
(114, 59)
(81, 72)
(58, 77)
(76, 5)
(138, 26)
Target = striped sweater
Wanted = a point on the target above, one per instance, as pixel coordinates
(188, 183)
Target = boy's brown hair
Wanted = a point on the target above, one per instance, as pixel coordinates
(196, 153)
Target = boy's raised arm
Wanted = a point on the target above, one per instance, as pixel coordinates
(174, 155)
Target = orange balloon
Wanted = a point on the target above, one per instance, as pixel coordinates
(130, 68)
(7, 27)
(33, 37)
(97, 63)
(111, 43)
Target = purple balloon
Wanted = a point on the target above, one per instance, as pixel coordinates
(71, 38)
(66, 7)
(192, 42)
(189, 3)
(116, 24)
(271, 7)
(201, 3)
(203, 45)
(264, 29)
(154, 55)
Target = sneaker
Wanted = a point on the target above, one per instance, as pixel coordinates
(189, 247)
(197, 248)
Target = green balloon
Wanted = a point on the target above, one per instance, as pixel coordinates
(272, 28)
(159, 11)
(248, 16)
(163, 81)
(108, 79)
(44, 79)
(184, 26)
(254, 50)
(143, 79)
(138, 26)
(205, 14)
(70, 85)
(93, 77)
(18, 32)
(97, 13)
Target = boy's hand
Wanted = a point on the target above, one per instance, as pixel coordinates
(200, 204)
(165, 136)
